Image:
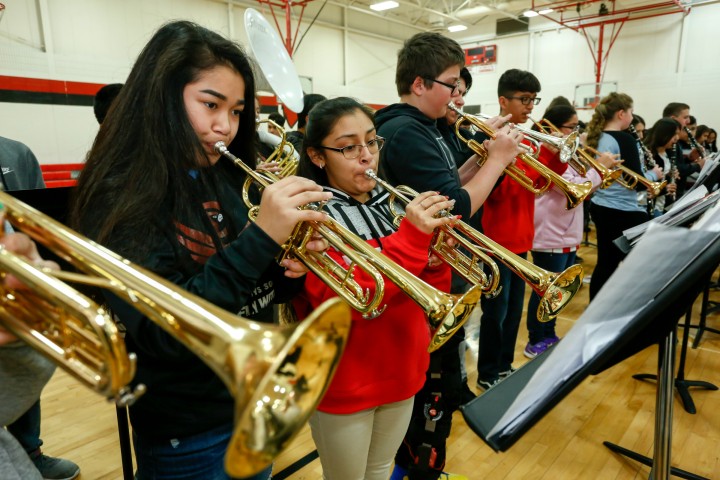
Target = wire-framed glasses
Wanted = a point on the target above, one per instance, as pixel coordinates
(351, 152)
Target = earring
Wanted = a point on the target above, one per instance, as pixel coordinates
(322, 165)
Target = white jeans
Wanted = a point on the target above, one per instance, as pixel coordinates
(362, 445)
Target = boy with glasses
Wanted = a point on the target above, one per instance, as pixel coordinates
(508, 218)
(415, 154)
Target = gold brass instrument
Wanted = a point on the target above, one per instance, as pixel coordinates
(284, 153)
(469, 268)
(555, 289)
(582, 159)
(277, 375)
(446, 312)
(68, 328)
(575, 193)
(630, 179)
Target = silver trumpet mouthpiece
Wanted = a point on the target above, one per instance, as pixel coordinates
(220, 147)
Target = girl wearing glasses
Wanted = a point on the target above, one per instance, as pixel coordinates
(363, 417)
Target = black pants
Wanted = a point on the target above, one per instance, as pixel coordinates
(423, 449)
(609, 225)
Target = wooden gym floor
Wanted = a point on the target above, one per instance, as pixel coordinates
(565, 444)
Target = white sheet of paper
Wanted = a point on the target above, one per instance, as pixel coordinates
(662, 253)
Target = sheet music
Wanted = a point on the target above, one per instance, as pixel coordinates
(636, 282)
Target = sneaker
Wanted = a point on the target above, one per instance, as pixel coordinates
(486, 385)
(507, 373)
(452, 476)
(550, 341)
(532, 350)
(52, 468)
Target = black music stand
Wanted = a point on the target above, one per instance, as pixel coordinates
(508, 410)
(683, 385)
(708, 307)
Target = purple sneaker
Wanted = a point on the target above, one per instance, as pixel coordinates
(550, 341)
(532, 350)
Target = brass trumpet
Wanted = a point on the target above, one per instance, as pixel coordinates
(582, 160)
(575, 193)
(446, 312)
(630, 179)
(277, 375)
(284, 153)
(68, 328)
(555, 289)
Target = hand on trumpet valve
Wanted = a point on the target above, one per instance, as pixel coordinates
(273, 167)
(423, 211)
(505, 146)
(496, 123)
(280, 206)
(609, 160)
(21, 245)
(295, 268)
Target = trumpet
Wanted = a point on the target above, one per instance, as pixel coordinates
(277, 375)
(69, 329)
(575, 193)
(555, 289)
(582, 160)
(446, 312)
(630, 179)
(284, 153)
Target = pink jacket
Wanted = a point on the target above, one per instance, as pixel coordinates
(555, 226)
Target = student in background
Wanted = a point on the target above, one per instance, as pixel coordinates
(296, 136)
(104, 99)
(427, 78)
(21, 171)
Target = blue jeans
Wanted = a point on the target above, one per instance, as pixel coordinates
(499, 325)
(26, 429)
(552, 262)
(195, 457)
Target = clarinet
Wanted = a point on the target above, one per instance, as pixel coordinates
(673, 171)
(648, 162)
(693, 143)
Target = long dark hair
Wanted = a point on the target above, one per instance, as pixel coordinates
(321, 121)
(137, 173)
(661, 133)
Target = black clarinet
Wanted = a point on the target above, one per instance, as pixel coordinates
(648, 162)
(693, 143)
(673, 171)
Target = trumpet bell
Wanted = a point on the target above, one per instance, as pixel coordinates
(281, 375)
(561, 289)
(453, 314)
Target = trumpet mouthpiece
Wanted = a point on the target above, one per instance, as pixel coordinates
(220, 147)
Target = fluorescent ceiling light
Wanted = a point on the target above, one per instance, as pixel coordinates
(546, 11)
(457, 28)
(530, 13)
(380, 6)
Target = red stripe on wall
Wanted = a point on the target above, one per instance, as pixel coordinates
(44, 85)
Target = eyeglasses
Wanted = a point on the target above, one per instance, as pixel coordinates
(454, 87)
(526, 100)
(351, 152)
(569, 127)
